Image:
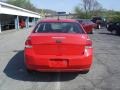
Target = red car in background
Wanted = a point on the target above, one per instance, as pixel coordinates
(58, 45)
(22, 24)
(88, 25)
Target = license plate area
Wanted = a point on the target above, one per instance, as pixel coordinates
(58, 63)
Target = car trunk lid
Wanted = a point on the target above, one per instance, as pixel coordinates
(58, 44)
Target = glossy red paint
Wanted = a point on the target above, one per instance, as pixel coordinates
(87, 25)
(58, 52)
(60, 20)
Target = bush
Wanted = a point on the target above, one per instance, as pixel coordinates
(114, 18)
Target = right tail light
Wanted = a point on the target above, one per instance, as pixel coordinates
(88, 44)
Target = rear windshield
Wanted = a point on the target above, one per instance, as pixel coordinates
(58, 27)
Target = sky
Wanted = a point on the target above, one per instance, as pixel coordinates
(68, 5)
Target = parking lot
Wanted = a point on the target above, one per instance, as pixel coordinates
(104, 73)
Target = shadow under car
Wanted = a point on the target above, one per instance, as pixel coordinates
(15, 69)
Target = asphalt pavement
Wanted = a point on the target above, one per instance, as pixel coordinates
(104, 73)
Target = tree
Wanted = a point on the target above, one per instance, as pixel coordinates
(22, 3)
(90, 5)
(89, 8)
(80, 13)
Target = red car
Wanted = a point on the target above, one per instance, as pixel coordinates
(22, 24)
(58, 46)
(87, 25)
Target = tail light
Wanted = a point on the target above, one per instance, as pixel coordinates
(88, 44)
(28, 43)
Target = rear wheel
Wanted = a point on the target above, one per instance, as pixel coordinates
(29, 71)
(84, 72)
(92, 32)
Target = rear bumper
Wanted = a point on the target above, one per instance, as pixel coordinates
(43, 62)
(60, 70)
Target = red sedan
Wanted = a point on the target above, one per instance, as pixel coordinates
(87, 25)
(58, 46)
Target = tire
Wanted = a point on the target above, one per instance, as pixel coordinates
(92, 32)
(84, 72)
(29, 71)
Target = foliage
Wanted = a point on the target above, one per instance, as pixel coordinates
(113, 16)
(26, 4)
(22, 3)
(81, 14)
(88, 8)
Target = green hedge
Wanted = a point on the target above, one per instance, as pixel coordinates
(114, 18)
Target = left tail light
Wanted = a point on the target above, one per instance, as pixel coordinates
(28, 43)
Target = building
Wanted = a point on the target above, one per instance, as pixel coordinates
(10, 16)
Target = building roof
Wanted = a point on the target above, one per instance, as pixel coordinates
(14, 10)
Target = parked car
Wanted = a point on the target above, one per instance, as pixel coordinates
(22, 24)
(88, 25)
(98, 21)
(114, 27)
(7, 25)
(58, 46)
